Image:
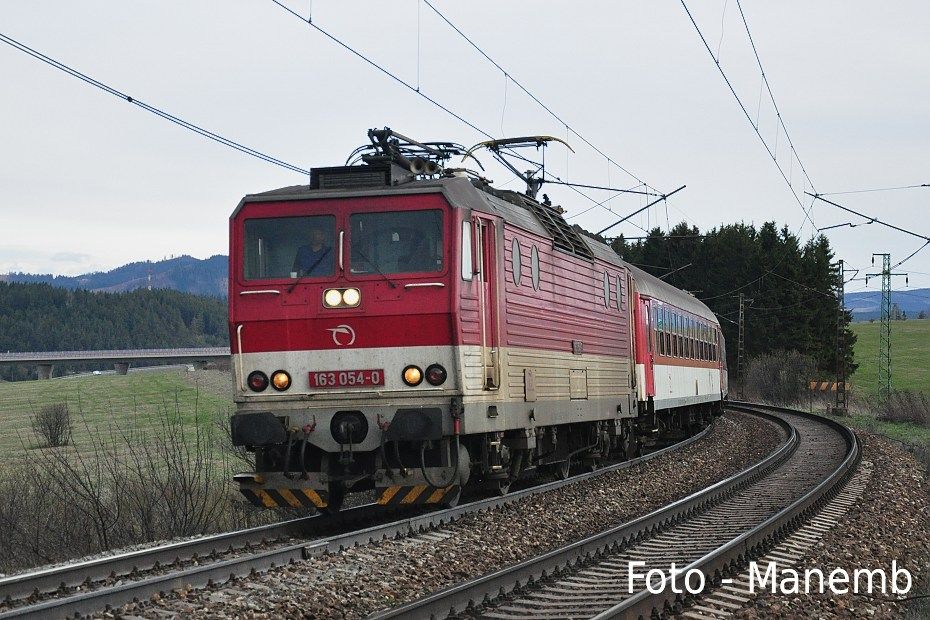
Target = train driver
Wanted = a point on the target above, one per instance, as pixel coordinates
(316, 257)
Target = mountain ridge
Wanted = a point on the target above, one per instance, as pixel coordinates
(207, 276)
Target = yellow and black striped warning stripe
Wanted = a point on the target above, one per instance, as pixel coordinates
(417, 494)
(827, 386)
(284, 498)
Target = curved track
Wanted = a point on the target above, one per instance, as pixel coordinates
(107, 582)
(714, 532)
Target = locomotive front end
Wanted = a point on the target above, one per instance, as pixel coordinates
(342, 336)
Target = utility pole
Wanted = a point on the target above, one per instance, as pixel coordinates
(884, 346)
(841, 404)
(740, 350)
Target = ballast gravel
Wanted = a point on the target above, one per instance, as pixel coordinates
(890, 522)
(359, 581)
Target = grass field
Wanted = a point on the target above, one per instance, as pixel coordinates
(910, 356)
(137, 401)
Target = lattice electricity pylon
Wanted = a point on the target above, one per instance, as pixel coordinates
(884, 345)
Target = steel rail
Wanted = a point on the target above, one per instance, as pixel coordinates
(17, 587)
(730, 558)
(463, 597)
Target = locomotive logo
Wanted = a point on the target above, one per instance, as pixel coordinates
(343, 335)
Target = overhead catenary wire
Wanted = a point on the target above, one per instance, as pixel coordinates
(754, 125)
(520, 85)
(768, 87)
(380, 68)
(876, 189)
(206, 133)
(870, 219)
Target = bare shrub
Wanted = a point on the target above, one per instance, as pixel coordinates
(52, 425)
(903, 406)
(779, 378)
(120, 487)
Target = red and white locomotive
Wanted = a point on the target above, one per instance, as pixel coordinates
(408, 329)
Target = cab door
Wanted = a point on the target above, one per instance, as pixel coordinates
(645, 351)
(486, 264)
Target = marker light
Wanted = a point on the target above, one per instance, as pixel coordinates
(257, 381)
(280, 380)
(332, 298)
(413, 375)
(436, 374)
(351, 297)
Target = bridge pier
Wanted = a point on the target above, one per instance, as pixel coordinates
(122, 368)
(45, 371)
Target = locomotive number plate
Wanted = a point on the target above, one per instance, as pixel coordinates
(346, 378)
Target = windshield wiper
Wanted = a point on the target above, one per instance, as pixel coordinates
(309, 273)
(375, 267)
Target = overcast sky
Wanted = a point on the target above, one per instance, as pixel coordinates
(91, 182)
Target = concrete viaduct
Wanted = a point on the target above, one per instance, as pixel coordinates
(121, 359)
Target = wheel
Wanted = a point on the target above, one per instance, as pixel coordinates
(563, 469)
(337, 495)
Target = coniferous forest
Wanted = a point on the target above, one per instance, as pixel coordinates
(791, 285)
(40, 317)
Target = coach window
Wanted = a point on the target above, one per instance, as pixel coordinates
(680, 323)
(658, 322)
(691, 346)
(676, 339)
(467, 268)
(606, 290)
(687, 334)
(668, 332)
(515, 261)
(703, 333)
(688, 352)
(534, 267)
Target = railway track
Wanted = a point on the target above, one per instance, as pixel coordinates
(714, 533)
(96, 585)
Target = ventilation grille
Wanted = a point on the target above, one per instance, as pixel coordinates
(350, 177)
(564, 236)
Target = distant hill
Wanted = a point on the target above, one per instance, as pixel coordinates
(185, 273)
(867, 304)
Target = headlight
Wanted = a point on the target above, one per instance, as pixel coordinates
(280, 380)
(341, 297)
(257, 381)
(413, 376)
(351, 297)
(436, 374)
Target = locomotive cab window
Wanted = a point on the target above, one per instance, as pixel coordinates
(467, 267)
(289, 247)
(396, 242)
